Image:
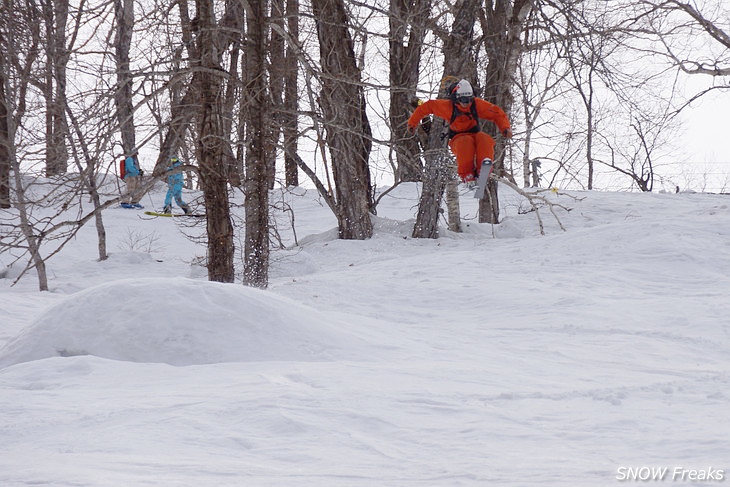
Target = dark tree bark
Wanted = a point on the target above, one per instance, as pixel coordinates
(232, 92)
(502, 24)
(233, 24)
(5, 140)
(407, 20)
(258, 159)
(277, 73)
(348, 130)
(210, 148)
(291, 96)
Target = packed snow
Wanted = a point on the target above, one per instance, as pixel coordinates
(591, 356)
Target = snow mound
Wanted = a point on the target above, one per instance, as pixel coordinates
(181, 322)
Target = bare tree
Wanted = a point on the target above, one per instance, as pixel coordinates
(210, 146)
(407, 22)
(18, 233)
(260, 150)
(183, 92)
(651, 132)
(677, 24)
(348, 130)
(291, 95)
(124, 16)
(458, 63)
(232, 22)
(584, 63)
(5, 113)
(502, 24)
(540, 82)
(277, 55)
(53, 86)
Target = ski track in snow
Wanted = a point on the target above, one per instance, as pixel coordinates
(492, 357)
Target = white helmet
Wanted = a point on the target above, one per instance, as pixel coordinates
(463, 94)
(463, 88)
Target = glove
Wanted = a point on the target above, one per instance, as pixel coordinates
(141, 173)
(507, 133)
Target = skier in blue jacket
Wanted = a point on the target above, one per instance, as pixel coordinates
(174, 187)
(132, 178)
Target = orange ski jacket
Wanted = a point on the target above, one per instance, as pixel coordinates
(464, 121)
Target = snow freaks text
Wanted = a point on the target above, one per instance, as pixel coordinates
(672, 474)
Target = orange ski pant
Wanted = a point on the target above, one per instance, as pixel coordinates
(470, 149)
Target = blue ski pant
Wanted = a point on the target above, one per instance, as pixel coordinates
(175, 191)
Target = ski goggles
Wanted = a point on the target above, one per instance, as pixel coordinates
(464, 100)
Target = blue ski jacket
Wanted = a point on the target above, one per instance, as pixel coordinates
(130, 167)
(177, 178)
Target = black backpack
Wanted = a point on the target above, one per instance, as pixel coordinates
(472, 113)
(449, 84)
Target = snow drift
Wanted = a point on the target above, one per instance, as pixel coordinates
(180, 322)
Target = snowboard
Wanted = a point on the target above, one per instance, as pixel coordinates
(157, 213)
(484, 174)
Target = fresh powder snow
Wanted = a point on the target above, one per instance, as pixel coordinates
(498, 356)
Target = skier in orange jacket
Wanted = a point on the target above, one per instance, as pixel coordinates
(468, 143)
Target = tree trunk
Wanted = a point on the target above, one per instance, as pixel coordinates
(407, 30)
(348, 130)
(55, 13)
(211, 151)
(277, 52)
(231, 96)
(5, 139)
(258, 159)
(291, 97)
(124, 15)
(502, 26)
(586, 90)
(236, 172)
(30, 235)
(438, 170)
(231, 40)
(458, 62)
(452, 204)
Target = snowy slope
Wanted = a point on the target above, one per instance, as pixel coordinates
(492, 357)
